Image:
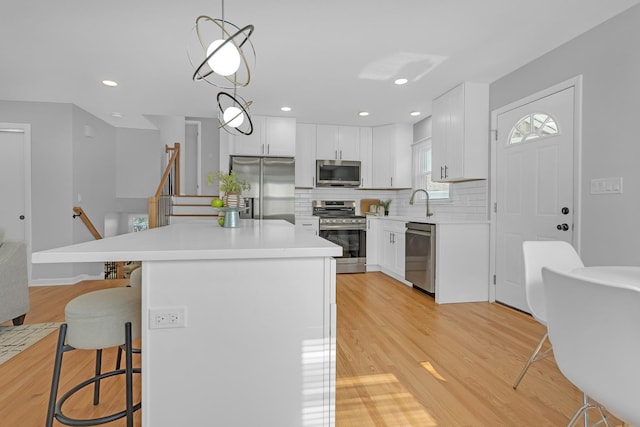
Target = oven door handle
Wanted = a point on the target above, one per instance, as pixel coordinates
(358, 227)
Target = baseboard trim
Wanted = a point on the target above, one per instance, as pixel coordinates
(65, 280)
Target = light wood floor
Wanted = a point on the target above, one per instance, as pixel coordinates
(402, 360)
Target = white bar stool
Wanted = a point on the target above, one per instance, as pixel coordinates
(95, 321)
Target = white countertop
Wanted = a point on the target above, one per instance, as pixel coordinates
(431, 220)
(198, 240)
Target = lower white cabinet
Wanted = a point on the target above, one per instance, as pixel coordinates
(374, 237)
(462, 256)
(393, 250)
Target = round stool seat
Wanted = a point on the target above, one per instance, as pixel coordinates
(96, 319)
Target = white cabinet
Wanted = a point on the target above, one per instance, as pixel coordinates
(272, 136)
(391, 156)
(305, 155)
(366, 152)
(338, 142)
(374, 239)
(462, 262)
(308, 224)
(460, 144)
(392, 243)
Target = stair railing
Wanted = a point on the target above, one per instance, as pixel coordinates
(110, 268)
(160, 203)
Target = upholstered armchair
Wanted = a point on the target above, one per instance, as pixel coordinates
(14, 285)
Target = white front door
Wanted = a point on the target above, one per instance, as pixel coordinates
(15, 184)
(534, 185)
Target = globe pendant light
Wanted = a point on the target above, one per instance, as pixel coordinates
(226, 64)
(225, 55)
(223, 60)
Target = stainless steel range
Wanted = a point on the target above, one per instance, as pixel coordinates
(340, 224)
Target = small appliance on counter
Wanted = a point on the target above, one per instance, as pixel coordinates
(340, 224)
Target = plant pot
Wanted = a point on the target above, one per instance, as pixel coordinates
(232, 200)
(386, 213)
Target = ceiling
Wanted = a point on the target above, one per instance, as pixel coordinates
(327, 60)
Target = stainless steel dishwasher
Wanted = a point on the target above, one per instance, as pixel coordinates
(420, 256)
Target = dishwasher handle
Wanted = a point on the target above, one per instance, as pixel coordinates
(419, 232)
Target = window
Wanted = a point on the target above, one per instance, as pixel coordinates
(533, 126)
(138, 222)
(422, 172)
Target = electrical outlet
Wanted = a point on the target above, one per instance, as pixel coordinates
(167, 317)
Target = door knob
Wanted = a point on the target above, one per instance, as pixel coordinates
(565, 211)
(21, 216)
(563, 227)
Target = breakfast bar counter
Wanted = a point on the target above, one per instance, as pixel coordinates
(251, 340)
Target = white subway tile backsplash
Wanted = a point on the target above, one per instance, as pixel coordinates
(468, 200)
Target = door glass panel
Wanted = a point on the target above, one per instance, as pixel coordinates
(533, 126)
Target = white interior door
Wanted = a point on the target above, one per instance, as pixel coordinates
(192, 153)
(15, 191)
(534, 185)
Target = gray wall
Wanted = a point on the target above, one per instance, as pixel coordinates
(607, 57)
(93, 184)
(51, 176)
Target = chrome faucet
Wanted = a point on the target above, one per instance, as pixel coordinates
(429, 213)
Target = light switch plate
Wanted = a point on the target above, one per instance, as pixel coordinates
(606, 185)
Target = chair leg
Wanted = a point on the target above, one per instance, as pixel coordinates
(17, 321)
(96, 385)
(129, 373)
(119, 358)
(55, 381)
(531, 360)
(584, 410)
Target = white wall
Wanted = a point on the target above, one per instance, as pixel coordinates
(51, 176)
(607, 57)
(172, 130)
(93, 185)
(138, 163)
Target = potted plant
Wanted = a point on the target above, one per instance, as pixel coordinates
(385, 204)
(232, 187)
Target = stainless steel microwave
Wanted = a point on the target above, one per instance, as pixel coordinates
(337, 173)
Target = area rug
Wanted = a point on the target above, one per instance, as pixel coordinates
(14, 339)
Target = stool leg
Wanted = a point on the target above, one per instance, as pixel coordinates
(129, 373)
(119, 358)
(96, 385)
(55, 381)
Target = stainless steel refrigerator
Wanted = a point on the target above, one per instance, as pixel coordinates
(272, 180)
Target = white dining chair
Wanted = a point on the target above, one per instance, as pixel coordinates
(593, 327)
(537, 254)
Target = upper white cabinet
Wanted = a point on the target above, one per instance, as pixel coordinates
(391, 156)
(460, 144)
(305, 155)
(366, 157)
(338, 142)
(272, 136)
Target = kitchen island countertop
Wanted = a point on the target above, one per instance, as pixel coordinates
(195, 241)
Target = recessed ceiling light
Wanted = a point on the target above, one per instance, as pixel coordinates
(363, 113)
(116, 115)
(415, 113)
(109, 83)
(401, 81)
(286, 108)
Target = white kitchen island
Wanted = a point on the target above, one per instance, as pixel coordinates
(258, 343)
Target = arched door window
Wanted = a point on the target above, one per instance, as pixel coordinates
(533, 126)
